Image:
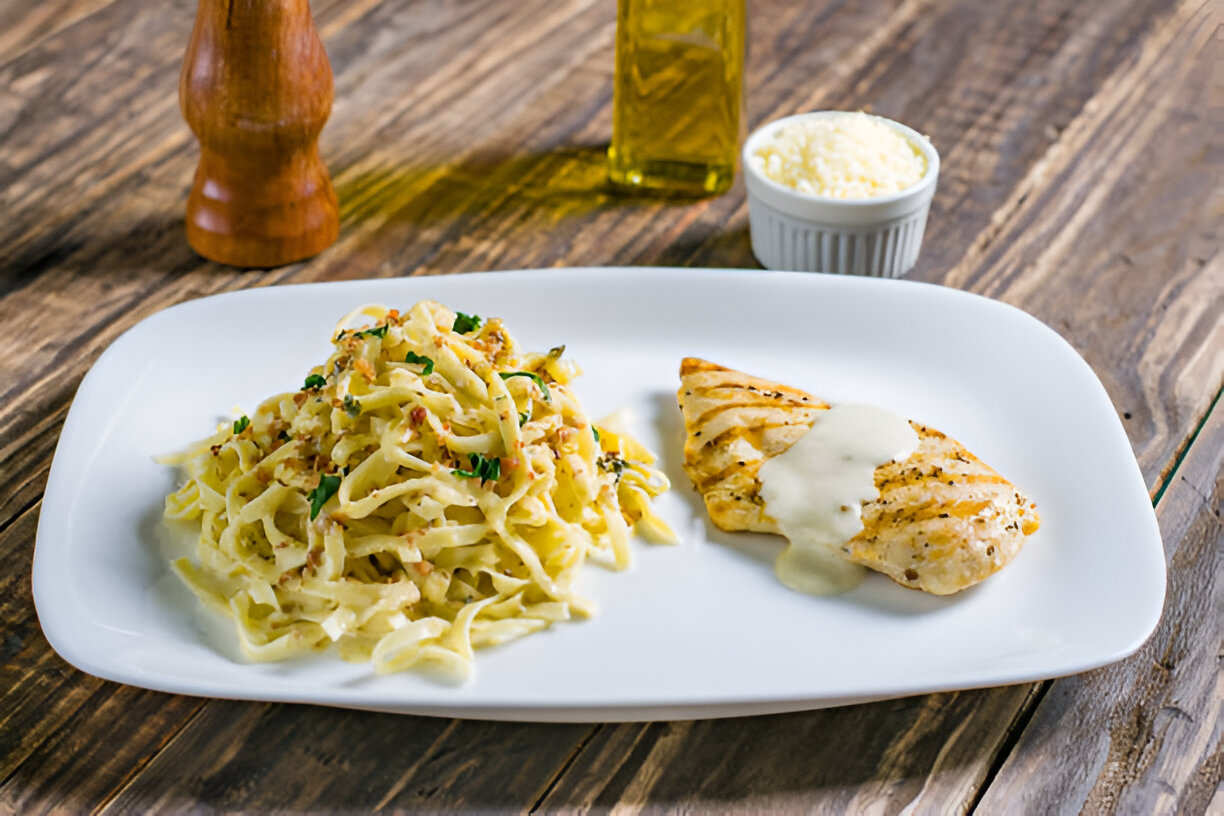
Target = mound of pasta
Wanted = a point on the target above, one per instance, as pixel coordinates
(430, 490)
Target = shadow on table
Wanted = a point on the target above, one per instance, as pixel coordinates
(493, 195)
(710, 245)
(568, 181)
(501, 210)
(103, 245)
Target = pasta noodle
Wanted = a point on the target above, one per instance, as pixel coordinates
(431, 490)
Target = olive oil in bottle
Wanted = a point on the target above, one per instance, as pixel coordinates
(677, 95)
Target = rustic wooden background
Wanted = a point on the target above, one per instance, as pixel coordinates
(1082, 182)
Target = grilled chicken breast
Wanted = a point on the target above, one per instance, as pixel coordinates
(943, 520)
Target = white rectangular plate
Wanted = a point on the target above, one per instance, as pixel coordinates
(700, 629)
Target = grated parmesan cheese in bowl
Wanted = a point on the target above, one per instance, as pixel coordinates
(847, 155)
(841, 192)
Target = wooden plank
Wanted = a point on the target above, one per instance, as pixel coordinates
(26, 459)
(238, 756)
(1023, 78)
(921, 753)
(89, 758)
(1147, 731)
(27, 674)
(25, 25)
(44, 696)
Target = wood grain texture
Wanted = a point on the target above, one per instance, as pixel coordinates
(67, 740)
(1148, 730)
(23, 26)
(348, 761)
(1078, 184)
(922, 753)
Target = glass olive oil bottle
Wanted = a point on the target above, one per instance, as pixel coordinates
(677, 94)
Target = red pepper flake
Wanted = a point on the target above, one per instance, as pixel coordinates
(417, 415)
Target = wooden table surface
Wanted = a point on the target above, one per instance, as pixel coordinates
(1081, 182)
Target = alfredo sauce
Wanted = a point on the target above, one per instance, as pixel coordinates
(815, 491)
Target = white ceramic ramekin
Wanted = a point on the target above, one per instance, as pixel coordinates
(878, 236)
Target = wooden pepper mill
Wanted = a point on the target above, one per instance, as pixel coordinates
(256, 89)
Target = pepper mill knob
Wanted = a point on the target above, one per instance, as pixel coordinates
(256, 89)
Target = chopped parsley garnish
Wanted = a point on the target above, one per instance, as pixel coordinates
(465, 323)
(595, 431)
(284, 436)
(505, 375)
(487, 470)
(241, 423)
(611, 463)
(377, 331)
(352, 406)
(314, 381)
(523, 418)
(420, 359)
(328, 485)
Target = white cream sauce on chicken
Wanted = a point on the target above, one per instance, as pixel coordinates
(816, 488)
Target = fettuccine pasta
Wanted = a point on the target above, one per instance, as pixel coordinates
(430, 490)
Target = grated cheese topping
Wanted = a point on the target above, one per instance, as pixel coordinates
(846, 155)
